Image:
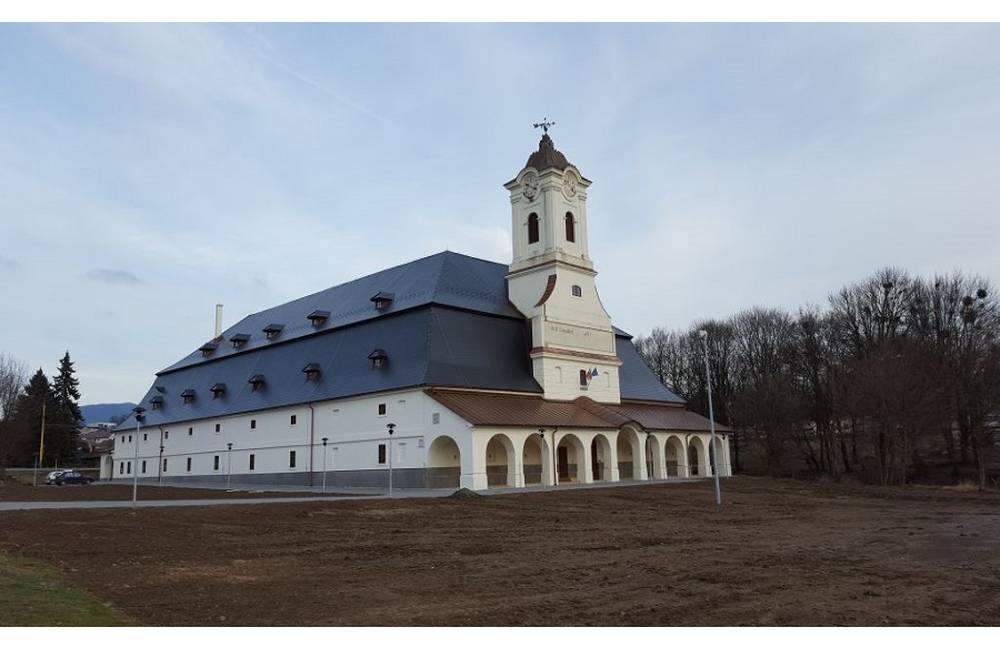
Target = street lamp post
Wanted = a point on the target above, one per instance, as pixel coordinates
(139, 417)
(391, 427)
(711, 420)
(324, 464)
(229, 463)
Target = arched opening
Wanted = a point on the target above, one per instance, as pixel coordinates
(673, 456)
(569, 456)
(718, 447)
(696, 454)
(600, 458)
(654, 463)
(499, 462)
(532, 228)
(570, 228)
(537, 461)
(444, 463)
(628, 453)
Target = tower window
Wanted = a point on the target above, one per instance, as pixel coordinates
(583, 378)
(577, 291)
(532, 228)
(570, 229)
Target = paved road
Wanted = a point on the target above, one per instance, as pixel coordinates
(398, 494)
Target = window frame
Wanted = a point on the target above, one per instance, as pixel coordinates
(570, 222)
(534, 228)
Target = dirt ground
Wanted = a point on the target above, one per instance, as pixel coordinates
(14, 491)
(779, 553)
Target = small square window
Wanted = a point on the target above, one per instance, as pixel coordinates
(189, 464)
(382, 409)
(253, 424)
(435, 418)
(381, 454)
(252, 464)
(292, 420)
(218, 427)
(291, 458)
(215, 463)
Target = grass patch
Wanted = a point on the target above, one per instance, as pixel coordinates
(33, 593)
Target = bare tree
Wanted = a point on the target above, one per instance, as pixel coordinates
(13, 377)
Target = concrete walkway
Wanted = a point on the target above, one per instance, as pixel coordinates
(343, 494)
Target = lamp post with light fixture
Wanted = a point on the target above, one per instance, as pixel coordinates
(711, 420)
(324, 464)
(391, 427)
(139, 417)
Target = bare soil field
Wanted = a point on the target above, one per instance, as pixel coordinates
(14, 491)
(779, 553)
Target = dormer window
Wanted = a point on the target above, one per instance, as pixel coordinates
(318, 317)
(239, 340)
(577, 291)
(570, 228)
(218, 390)
(312, 371)
(257, 383)
(379, 358)
(532, 228)
(156, 403)
(208, 349)
(273, 330)
(382, 299)
(188, 395)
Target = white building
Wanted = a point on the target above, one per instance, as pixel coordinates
(480, 370)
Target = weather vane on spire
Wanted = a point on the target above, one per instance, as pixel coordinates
(544, 124)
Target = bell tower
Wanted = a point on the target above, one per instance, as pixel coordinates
(552, 279)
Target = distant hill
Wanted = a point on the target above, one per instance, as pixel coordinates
(93, 413)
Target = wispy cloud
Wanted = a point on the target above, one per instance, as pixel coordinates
(113, 276)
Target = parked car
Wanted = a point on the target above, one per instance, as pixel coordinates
(51, 477)
(73, 478)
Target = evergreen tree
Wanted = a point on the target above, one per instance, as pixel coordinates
(63, 424)
(24, 427)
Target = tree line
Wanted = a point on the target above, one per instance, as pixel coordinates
(24, 399)
(896, 379)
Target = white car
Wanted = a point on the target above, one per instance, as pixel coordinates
(51, 477)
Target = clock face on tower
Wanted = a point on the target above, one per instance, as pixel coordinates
(569, 184)
(530, 183)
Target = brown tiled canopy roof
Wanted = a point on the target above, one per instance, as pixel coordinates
(506, 410)
(547, 156)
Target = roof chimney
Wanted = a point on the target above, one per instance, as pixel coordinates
(218, 321)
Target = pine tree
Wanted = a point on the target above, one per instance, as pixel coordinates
(24, 428)
(64, 423)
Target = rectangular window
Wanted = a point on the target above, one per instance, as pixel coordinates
(381, 454)
(128, 467)
(130, 437)
(218, 427)
(292, 420)
(253, 424)
(435, 418)
(252, 462)
(145, 437)
(166, 435)
(291, 458)
(143, 467)
(190, 431)
(121, 468)
(382, 409)
(123, 440)
(215, 464)
(189, 464)
(164, 464)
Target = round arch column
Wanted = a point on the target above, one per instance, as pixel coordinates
(637, 442)
(675, 451)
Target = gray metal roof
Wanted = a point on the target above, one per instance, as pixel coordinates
(450, 325)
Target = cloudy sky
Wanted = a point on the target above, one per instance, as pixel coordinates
(148, 172)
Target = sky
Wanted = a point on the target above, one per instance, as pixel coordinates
(148, 172)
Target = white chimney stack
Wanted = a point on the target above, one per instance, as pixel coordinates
(218, 321)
